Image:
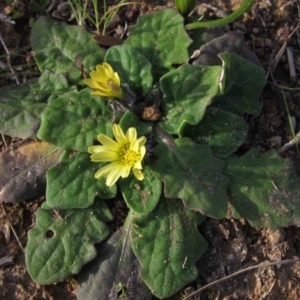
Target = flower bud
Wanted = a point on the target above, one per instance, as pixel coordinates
(185, 7)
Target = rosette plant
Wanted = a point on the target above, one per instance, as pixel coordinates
(158, 124)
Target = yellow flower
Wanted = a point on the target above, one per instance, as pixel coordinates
(105, 82)
(126, 153)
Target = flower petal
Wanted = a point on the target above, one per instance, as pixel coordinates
(89, 82)
(101, 94)
(137, 144)
(96, 149)
(102, 86)
(119, 134)
(138, 165)
(131, 134)
(138, 174)
(105, 156)
(108, 70)
(103, 172)
(98, 76)
(116, 79)
(143, 152)
(125, 171)
(108, 142)
(114, 174)
(100, 69)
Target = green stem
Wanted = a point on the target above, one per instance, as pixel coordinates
(242, 9)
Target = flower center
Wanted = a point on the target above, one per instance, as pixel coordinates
(129, 157)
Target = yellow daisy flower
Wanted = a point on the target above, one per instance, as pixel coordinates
(125, 153)
(105, 82)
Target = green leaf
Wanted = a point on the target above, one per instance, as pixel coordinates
(115, 265)
(63, 241)
(133, 68)
(129, 119)
(52, 84)
(223, 131)
(187, 92)
(81, 118)
(191, 172)
(71, 184)
(21, 105)
(162, 39)
(24, 166)
(264, 189)
(167, 244)
(141, 196)
(242, 85)
(57, 45)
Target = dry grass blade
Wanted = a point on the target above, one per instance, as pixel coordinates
(12, 228)
(291, 62)
(263, 265)
(274, 63)
(8, 59)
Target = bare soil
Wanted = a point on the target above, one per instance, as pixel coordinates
(270, 25)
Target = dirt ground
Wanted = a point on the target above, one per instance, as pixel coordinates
(271, 30)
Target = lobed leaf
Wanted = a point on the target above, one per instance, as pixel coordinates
(63, 241)
(167, 244)
(187, 92)
(21, 105)
(141, 196)
(81, 118)
(24, 166)
(223, 131)
(56, 46)
(264, 189)
(192, 173)
(242, 85)
(71, 183)
(115, 265)
(162, 39)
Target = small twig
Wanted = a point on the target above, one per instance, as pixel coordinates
(295, 141)
(263, 265)
(298, 36)
(4, 140)
(8, 59)
(12, 228)
(278, 56)
(290, 58)
(274, 63)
